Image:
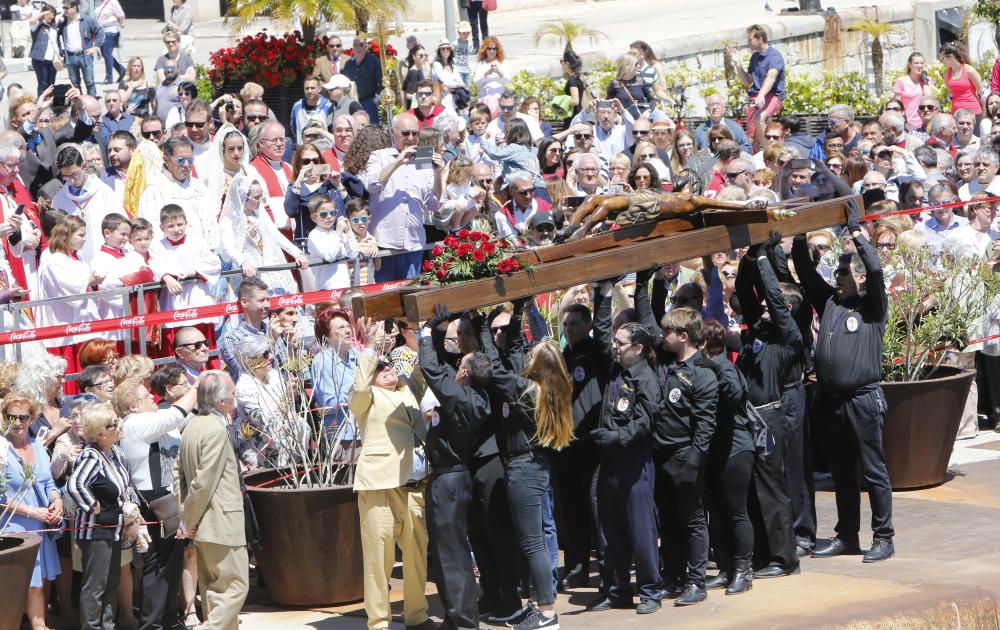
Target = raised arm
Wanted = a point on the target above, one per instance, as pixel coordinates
(781, 317)
(813, 285)
(643, 306)
(747, 294)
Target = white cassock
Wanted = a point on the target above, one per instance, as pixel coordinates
(327, 246)
(116, 265)
(115, 181)
(202, 155)
(191, 254)
(91, 203)
(60, 275)
(192, 196)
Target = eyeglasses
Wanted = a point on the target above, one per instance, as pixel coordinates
(308, 161)
(278, 140)
(835, 166)
(927, 108)
(156, 133)
(425, 94)
(192, 124)
(526, 191)
(963, 165)
(835, 145)
(620, 344)
(183, 161)
(586, 170)
(583, 136)
(104, 383)
(893, 109)
(640, 132)
(360, 220)
(553, 150)
(169, 41)
(647, 156)
(255, 117)
(409, 134)
(777, 137)
(885, 245)
(733, 176)
(194, 345)
(347, 130)
(334, 46)
(506, 108)
(832, 122)
(821, 247)
(165, 68)
(545, 229)
(326, 214)
(14, 417)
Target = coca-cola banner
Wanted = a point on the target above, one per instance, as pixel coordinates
(189, 314)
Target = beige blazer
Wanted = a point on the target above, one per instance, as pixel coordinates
(387, 421)
(207, 483)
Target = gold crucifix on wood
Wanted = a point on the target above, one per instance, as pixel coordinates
(387, 98)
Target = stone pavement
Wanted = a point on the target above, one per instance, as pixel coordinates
(946, 573)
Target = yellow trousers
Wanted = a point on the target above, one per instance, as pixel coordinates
(224, 581)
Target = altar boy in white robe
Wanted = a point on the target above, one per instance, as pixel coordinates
(176, 257)
(121, 267)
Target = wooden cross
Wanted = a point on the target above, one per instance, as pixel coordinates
(604, 256)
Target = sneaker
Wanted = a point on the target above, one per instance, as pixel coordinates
(511, 617)
(537, 621)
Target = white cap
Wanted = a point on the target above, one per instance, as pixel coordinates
(337, 81)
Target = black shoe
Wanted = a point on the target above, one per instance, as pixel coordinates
(801, 551)
(742, 577)
(719, 581)
(576, 579)
(837, 547)
(671, 591)
(537, 621)
(774, 571)
(510, 616)
(692, 595)
(606, 603)
(647, 606)
(882, 549)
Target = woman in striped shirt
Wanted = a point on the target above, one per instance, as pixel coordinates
(99, 486)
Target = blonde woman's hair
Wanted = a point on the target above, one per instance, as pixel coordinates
(17, 398)
(93, 418)
(8, 373)
(625, 63)
(126, 396)
(554, 396)
(132, 366)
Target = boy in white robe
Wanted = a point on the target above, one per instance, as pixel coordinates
(120, 266)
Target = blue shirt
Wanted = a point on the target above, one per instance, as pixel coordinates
(231, 340)
(760, 63)
(333, 380)
(109, 126)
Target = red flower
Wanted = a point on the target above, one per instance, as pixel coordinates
(437, 251)
(441, 274)
(508, 265)
(476, 236)
(428, 265)
(463, 250)
(479, 256)
(489, 247)
(450, 242)
(463, 234)
(503, 244)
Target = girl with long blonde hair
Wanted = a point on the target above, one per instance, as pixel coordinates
(534, 418)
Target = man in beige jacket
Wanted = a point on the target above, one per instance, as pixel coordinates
(391, 506)
(207, 482)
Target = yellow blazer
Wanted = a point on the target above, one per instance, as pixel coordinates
(387, 421)
(207, 483)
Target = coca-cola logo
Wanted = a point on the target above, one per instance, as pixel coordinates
(180, 316)
(232, 309)
(290, 300)
(26, 335)
(132, 322)
(76, 329)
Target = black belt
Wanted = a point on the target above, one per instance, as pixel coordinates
(769, 406)
(70, 53)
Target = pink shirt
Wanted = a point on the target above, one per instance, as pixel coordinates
(909, 93)
(963, 92)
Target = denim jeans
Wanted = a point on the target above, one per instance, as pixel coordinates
(529, 497)
(81, 63)
(108, 52)
(45, 73)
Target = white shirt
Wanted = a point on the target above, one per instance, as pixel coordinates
(114, 269)
(92, 203)
(967, 190)
(328, 245)
(60, 275)
(142, 429)
(200, 209)
(167, 259)
(495, 129)
(74, 41)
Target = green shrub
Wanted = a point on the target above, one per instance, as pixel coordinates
(807, 94)
(525, 84)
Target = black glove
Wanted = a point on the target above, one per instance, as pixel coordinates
(773, 240)
(853, 217)
(692, 467)
(754, 251)
(643, 275)
(604, 437)
(520, 303)
(441, 315)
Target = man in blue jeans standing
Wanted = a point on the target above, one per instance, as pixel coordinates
(80, 40)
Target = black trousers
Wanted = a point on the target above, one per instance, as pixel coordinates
(798, 465)
(680, 488)
(161, 576)
(628, 522)
(988, 380)
(770, 506)
(479, 22)
(491, 533)
(727, 486)
(576, 474)
(852, 435)
(447, 499)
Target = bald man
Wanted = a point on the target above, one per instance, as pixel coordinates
(399, 193)
(274, 172)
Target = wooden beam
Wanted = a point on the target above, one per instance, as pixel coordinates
(382, 305)
(615, 238)
(593, 266)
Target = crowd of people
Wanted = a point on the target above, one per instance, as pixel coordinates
(658, 420)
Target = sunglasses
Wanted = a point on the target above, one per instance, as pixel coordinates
(773, 137)
(170, 41)
(640, 132)
(484, 183)
(893, 109)
(647, 156)
(191, 124)
(927, 108)
(326, 214)
(822, 247)
(307, 161)
(409, 134)
(113, 425)
(835, 166)
(184, 161)
(886, 246)
(360, 220)
(583, 136)
(255, 117)
(334, 46)
(13, 417)
(152, 134)
(194, 345)
(527, 191)
(507, 108)
(733, 176)
(428, 95)
(546, 229)
(885, 155)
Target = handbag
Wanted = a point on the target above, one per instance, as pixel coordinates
(165, 508)
(489, 5)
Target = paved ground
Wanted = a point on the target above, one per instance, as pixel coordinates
(946, 573)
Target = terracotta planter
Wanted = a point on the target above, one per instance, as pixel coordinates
(921, 423)
(17, 561)
(311, 542)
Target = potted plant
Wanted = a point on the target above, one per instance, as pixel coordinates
(306, 508)
(17, 552)
(931, 313)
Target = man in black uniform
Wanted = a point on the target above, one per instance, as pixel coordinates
(850, 405)
(626, 476)
(451, 443)
(772, 350)
(588, 361)
(682, 434)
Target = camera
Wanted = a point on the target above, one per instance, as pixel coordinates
(230, 107)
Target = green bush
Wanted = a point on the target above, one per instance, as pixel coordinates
(525, 84)
(205, 90)
(600, 75)
(807, 94)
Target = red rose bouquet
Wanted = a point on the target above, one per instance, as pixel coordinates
(468, 256)
(270, 60)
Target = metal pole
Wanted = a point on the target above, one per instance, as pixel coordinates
(450, 23)
(141, 307)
